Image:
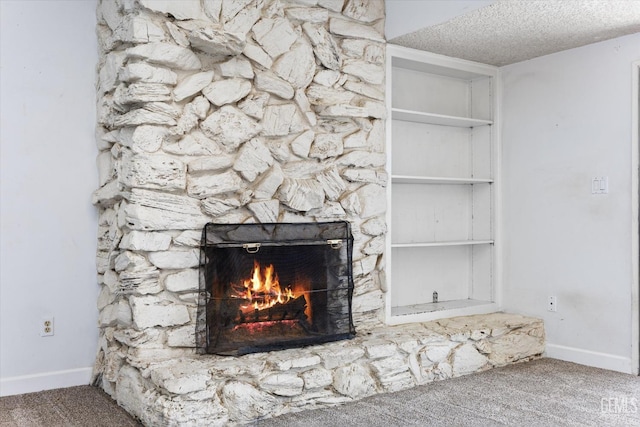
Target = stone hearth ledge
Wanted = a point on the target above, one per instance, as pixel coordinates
(210, 390)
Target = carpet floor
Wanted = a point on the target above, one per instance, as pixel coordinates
(544, 392)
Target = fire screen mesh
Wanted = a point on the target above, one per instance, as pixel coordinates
(266, 287)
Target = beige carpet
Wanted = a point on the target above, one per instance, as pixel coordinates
(544, 392)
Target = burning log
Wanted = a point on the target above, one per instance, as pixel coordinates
(290, 310)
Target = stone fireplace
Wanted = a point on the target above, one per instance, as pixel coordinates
(252, 112)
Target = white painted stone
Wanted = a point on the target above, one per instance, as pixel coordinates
(189, 238)
(327, 77)
(182, 9)
(194, 144)
(232, 8)
(130, 261)
(332, 183)
(297, 65)
(183, 281)
(265, 211)
(351, 204)
(175, 259)
(153, 171)
(245, 19)
(236, 67)
(212, 9)
(326, 145)
(230, 127)
(269, 183)
(166, 54)
(216, 42)
(372, 199)
(148, 338)
(466, 360)
(204, 186)
(274, 35)
(324, 46)
(316, 378)
(145, 241)
(177, 34)
(342, 27)
(515, 346)
(145, 138)
(354, 381)
(368, 302)
(325, 96)
(282, 384)
(257, 55)
(118, 314)
(378, 349)
(301, 194)
(366, 175)
(374, 226)
(151, 210)
(227, 91)
(374, 53)
(108, 74)
(193, 112)
(307, 14)
(364, 89)
(211, 163)
(334, 356)
(150, 311)
(106, 169)
(140, 281)
(139, 29)
(280, 148)
(280, 120)
(269, 82)
(374, 246)
(370, 109)
(364, 10)
(137, 93)
(143, 72)
(184, 336)
(362, 159)
(216, 207)
(302, 144)
(191, 85)
(245, 403)
(254, 105)
(180, 378)
(253, 159)
(370, 73)
(333, 5)
(143, 116)
(377, 136)
(330, 211)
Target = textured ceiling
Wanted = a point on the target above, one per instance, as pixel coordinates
(510, 31)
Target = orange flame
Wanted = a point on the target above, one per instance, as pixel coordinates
(263, 289)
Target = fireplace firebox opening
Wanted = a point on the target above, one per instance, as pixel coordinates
(273, 286)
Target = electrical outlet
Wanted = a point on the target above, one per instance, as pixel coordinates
(46, 326)
(552, 303)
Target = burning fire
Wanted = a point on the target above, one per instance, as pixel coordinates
(263, 289)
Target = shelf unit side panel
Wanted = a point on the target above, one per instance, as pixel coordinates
(482, 283)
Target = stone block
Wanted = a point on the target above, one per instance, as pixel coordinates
(253, 159)
(150, 311)
(230, 127)
(175, 259)
(282, 384)
(227, 91)
(165, 54)
(467, 359)
(191, 85)
(183, 281)
(204, 186)
(297, 65)
(145, 241)
(246, 403)
(354, 381)
(317, 378)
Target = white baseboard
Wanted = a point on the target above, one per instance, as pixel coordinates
(590, 358)
(44, 381)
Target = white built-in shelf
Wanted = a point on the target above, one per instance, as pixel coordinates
(437, 119)
(409, 179)
(406, 310)
(445, 243)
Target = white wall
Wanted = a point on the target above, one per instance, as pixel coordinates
(47, 223)
(567, 118)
